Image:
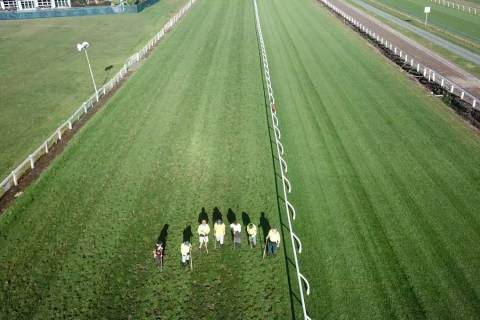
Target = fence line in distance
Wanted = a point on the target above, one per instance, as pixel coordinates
(455, 5)
(427, 73)
(29, 163)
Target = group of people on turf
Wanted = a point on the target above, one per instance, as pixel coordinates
(272, 240)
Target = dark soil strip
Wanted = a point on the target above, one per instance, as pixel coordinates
(462, 108)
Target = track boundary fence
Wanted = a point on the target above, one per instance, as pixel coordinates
(455, 5)
(430, 75)
(92, 102)
(303, 283)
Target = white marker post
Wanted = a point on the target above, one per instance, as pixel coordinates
(427, 11)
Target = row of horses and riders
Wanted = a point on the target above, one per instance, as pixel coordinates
(271, 235)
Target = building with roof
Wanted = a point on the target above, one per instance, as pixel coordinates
(21, 5)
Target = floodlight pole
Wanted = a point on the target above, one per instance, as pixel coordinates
(83, 47)
(91, 73)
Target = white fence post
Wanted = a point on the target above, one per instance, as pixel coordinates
(32, 163)
(14, 176)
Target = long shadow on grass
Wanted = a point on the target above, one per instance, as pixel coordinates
(187, 233)
(245, 219)
(203, 215)
(217, 215)
(162, 238)
(265, 229)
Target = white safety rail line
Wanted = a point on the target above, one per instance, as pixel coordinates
(29, 163)
(457, 6)
(287, 187)
(427, 73)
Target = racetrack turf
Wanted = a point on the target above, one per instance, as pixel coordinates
(187, 131)
(385, 177)
(385, 180)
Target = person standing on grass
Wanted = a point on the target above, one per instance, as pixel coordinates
(203, 231)
(252, 234)
(219, 231)
(237, 232)
(158, 255)
(273, 240)
(185, 250)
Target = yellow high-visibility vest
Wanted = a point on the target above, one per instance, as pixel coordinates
(253, 230)
(219, 229)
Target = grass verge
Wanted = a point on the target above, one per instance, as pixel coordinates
(455, 26)
(449, 55)
(44, 78)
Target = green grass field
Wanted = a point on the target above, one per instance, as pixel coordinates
(453, 21)
(187, 131)
(44, 78)
(385, 181)
(385, 177)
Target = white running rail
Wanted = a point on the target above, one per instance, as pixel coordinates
(428, 73)
(29, 163)
(287, 186)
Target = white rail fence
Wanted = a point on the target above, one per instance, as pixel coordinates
(427, 73)
(459, 7)
(287, 186)
(29, 163)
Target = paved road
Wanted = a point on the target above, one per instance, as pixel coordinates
(458, 50)
(413, 49)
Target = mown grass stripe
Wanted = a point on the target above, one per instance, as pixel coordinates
(185, 132)
(370, 134)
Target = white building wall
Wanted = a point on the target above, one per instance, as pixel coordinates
(33, 4)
